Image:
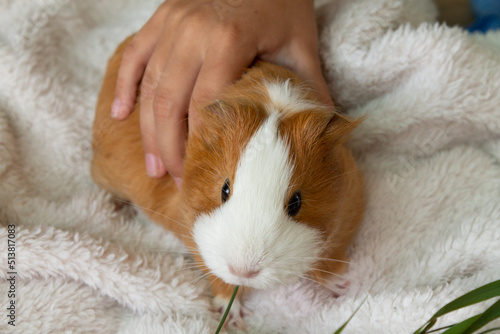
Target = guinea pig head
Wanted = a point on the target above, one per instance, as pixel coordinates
(265, 180)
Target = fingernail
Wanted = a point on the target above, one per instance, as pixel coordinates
(178, 182)
(115, 110)
(153, 165)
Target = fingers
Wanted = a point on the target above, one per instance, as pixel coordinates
(183, 80)
(170, 109)
(220, 70)
(186, 56)
(149, 85)
(134, 60)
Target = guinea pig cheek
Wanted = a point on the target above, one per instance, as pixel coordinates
(258, 253)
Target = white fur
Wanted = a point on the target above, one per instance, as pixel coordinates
(252, 230)
(287, 98)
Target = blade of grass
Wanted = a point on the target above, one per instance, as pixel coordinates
(338, 331)
(478, 295)
(491, 330)
(439, 329)
(461, 326)
(226, 312)
(474, 323)
(428, 325)
(492, 313)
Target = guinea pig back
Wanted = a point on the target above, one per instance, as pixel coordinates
(270, 193)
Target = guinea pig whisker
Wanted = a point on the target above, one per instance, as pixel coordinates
(215, 151)
(279, 281)
(312, 279)
(143, 248)
(159, 250)
(309, 200)
(162, 215)
(189, 248)
(192, 268)
(188, 267)
(331, 273)
(291, 186)
(336, 177)
(200, 278)
(336, 260)
(192, 252)
(308, 277)
(200, 266)
(322, 259)
(199, 263)
(214, 174)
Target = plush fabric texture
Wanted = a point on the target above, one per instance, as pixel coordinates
(429, 147)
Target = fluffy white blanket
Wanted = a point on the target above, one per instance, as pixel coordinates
(429, 147)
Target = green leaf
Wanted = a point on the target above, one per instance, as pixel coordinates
(481, 294)
(460, 327)
(338, 331)
(226, 312)
(428, 325)
(496, 329)
(478, 295)
(492, 313)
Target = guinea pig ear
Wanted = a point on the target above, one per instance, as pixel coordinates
(339, 127)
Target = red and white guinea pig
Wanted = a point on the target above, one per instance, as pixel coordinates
(270, 193)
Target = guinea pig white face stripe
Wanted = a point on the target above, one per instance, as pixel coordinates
(250, 240)
(287, 98)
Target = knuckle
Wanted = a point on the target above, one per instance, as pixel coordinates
(177, 11)
(131, 52)
(148, 85)
(197, 17)
(201, 99)
(162, 106)
(193, 24)
(229, 34)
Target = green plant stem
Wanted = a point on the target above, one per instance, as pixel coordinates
(339, 331)
(438, 329)
(226, 312)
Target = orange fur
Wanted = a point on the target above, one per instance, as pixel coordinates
(325, 171)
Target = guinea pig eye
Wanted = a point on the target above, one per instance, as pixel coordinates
(226, 190)
(294, 204)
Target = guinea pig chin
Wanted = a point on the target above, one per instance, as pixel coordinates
(250, 240)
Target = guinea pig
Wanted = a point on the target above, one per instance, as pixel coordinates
(270, 192)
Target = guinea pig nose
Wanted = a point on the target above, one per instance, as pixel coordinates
(243, 272)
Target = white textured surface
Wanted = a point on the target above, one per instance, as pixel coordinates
(429, 147)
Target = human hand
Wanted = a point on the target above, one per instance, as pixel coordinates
(189, 51)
